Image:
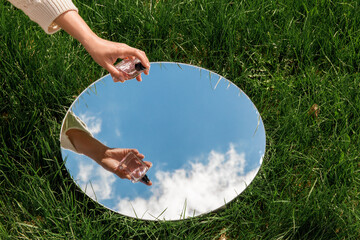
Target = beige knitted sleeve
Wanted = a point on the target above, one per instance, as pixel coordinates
(71, 122)
(44, 12)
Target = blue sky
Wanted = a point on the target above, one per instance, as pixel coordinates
(180, 117)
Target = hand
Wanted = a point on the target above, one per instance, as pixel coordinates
(106, 53)
(113, 156)
(108, 158)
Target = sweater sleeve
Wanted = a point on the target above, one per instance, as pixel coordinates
(71, 122)
(44, 12)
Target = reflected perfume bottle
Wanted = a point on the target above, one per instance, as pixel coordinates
(135, 167)
(132, 67)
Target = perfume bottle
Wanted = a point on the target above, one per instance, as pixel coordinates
(132, 67)
(135, 167)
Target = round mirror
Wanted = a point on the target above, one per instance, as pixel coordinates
(202, 134)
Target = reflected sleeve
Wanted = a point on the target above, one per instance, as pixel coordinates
(71, 122)
(44, 12)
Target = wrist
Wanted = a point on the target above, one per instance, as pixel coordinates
(102, 153)
(89, 40)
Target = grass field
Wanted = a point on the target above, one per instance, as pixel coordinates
(287, 56)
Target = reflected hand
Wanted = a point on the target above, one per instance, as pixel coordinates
(112, 157)
(106, 53)
(108, 158)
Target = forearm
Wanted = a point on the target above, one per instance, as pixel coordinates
(87, 145)
(74, 25)
(104, 52)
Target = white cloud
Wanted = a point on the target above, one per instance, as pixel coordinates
(117, 132)
(202, 186)
(85, 171)
(93, 123)
(101, 181)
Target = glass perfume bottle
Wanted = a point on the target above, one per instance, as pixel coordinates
(135, 167)
(132, 67)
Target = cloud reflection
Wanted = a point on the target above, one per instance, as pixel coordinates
(203, 187)
(93, 123)
(101, 184)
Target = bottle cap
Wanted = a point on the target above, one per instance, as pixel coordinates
(145, 179)
(139, 67)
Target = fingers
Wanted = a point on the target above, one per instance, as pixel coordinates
(148, 164)
(122, 174)
(136, 152)
(138, 78)
(117, 79)
(146, 183)
(117, 75)
(146, 71)
(126, 51)
(141, 56)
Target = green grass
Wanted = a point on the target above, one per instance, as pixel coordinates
(286, 56)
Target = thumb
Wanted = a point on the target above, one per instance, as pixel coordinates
(122, 174)
(116, 74)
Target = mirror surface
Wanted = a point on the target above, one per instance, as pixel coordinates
(204, 136)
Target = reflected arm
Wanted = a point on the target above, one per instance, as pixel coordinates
(87, 145)
(108, 158)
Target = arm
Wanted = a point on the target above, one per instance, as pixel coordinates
(104, 52)
(52, 15)
(87, 145)
(108, 158)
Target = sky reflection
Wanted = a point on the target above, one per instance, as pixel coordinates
(203, 135)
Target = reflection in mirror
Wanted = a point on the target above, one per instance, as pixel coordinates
(203, 136)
